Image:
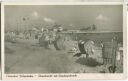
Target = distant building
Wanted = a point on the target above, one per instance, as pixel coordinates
(74, 31)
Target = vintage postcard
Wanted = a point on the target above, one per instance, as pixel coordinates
(64, 41)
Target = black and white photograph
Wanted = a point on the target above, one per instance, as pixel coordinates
(63, 39)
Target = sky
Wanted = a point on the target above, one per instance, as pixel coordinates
(105, 17)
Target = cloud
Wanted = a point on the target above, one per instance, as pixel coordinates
(35, 14)
(101, 17)
(72, 25)
(48, 20)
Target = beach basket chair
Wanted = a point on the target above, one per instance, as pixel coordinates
(109, 54)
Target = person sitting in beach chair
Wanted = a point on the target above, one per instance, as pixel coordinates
(81, 49)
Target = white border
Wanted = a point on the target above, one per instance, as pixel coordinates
(63, 0)
(81, 76)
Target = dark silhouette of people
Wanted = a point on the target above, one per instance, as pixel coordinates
(81, 48)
